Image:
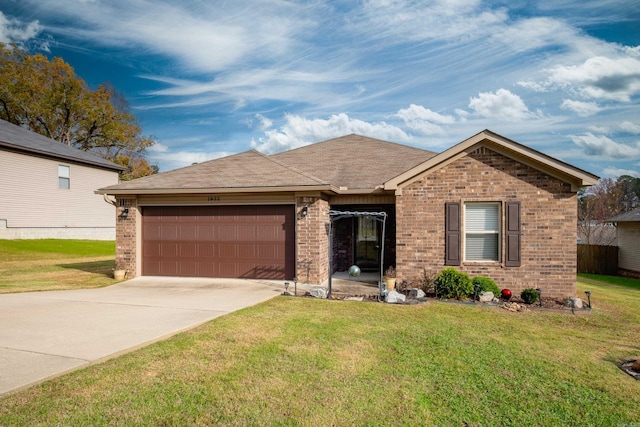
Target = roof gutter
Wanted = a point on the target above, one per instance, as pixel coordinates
(133, 191)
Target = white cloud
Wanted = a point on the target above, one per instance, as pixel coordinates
(599, 77)
(265, 123)
(616, 172)
(177, 159)
(630, 127)
(204, 37)
(299, 131)
(594, 145)
(434, 20)
(158, 147)
(598, 129)
(423, 120)
(502, 105)
(15, 31)
(536, 33)
(534, 86)
(583, 109)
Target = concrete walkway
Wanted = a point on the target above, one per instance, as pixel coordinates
(45, 334)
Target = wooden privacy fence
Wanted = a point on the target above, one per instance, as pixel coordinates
(597, 259)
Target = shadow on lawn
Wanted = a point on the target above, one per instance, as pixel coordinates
(96, 267)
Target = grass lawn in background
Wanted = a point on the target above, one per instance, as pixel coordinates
(51, 264)
(303, 361)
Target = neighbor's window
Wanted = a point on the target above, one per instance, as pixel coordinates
(482, 232)
(64, 177)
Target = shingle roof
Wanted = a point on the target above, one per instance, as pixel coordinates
(355, 161)
(352, 161)
(631, 216)
(249, 169)
(16, 138)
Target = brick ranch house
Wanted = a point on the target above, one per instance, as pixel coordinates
(488, 206)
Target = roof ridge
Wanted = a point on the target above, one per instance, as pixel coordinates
(325, 141)
(291, 168)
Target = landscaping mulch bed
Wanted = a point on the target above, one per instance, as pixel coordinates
(515, 305)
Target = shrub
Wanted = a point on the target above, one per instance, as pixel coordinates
(452, 283)
(425, 282)
(486, 284)
(529, 296)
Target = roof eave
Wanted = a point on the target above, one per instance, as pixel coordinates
(215, 190)
(49, 155)
(563, 171)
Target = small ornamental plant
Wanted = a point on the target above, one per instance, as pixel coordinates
(390, 272)
(426, 282)
(452, 283)
(486, 284)
(529, 296)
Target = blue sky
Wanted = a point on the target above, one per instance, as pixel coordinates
(212, 78)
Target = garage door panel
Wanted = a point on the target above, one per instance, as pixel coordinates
(188, 232)
(188, 250)
(206, 250)
(205, 232)
(169, 232)
(168, 249)
(268, 252)
(225, 251)
(246, 251)
(226, 233)
(219, 241)
(246, 233)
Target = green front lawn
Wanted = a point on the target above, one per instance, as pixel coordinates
(301, 361)
(50, 264)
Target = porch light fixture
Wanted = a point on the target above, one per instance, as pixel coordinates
(539, 291)
(124, 213)
(588, 293)
(304, 211)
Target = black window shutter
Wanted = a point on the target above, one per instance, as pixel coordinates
(452, 233)
(512, 234)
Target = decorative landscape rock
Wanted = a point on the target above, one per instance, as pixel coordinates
(486, 297)
(514, 307)
(418, 293)
(318, 292)
(394, 297)
(575, 303)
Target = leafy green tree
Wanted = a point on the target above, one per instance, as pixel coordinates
(596, 204)
(629, 191)
(47, 97)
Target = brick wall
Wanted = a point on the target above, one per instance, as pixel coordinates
(312, 240)
(126, 228)
(548, 221)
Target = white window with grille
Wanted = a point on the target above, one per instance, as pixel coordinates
(482, 232)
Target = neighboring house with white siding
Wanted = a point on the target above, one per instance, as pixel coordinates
(47, 189)
(628, 226)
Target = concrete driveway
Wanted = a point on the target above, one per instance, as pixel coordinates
(45, 334)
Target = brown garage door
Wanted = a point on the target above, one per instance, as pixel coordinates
(219, 241)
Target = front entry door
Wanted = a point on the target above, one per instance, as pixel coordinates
(367, 243)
